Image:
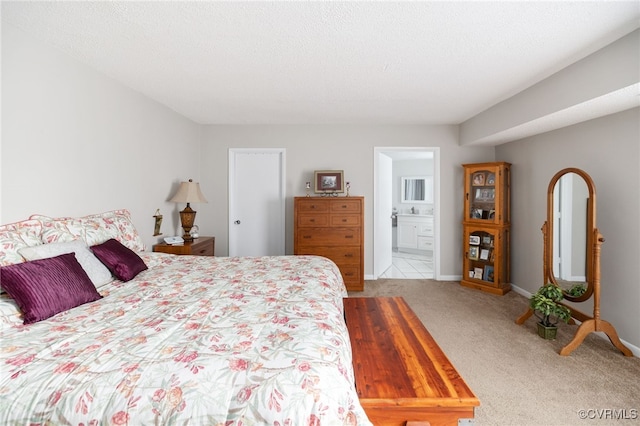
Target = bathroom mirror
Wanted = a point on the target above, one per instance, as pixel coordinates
(417, 189)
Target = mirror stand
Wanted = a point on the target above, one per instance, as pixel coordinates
(570, 228)
(588, 325)
(595, 324)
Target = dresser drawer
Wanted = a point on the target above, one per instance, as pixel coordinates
(340, 255)
(306, 221)
(345, 220)
(328, 236)
(313, 205)
(350, 275)
(346, 206)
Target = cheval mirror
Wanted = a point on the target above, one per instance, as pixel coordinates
(571, 257)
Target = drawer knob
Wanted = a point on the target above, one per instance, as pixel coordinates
(348, 255)
(348, 236)
(306, 236)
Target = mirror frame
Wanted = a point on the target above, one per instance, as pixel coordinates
(428, 194)
(591, 229)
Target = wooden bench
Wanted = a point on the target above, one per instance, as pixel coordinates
(402, 376)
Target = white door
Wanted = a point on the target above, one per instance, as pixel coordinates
(256, 202)
(382, 251)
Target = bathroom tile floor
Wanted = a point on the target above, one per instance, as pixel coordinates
(406, 265)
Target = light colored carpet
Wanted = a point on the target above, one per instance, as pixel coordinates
(519, 377)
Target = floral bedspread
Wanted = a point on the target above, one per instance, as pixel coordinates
(193, 340)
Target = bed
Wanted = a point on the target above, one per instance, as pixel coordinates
(187, 340)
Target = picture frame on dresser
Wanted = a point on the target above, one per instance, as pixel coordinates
(328, 181)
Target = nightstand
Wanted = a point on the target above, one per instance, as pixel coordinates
(203, 246)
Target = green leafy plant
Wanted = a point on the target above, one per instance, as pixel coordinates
(546, 306)
(577, 290)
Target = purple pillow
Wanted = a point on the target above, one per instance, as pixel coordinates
(123, 262)
(45, 287)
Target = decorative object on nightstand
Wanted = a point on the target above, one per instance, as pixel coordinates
(156, 229)
(308, 186)
(195, 231)
(188, 192)
(348, 187)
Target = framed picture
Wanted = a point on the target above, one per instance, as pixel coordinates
(473, 252)
(474, 240)
(328, 181)
(491, 179)
(488, 274)
(477, 179)
(485, 194)
(477, 273)
(486, 240)
(476, 213)
(484, 254)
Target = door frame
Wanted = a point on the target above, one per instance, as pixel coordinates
(379, 217)
(232, 195)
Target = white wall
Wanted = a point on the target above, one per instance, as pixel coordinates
(348, 148)
(608, 149)
(75, 142)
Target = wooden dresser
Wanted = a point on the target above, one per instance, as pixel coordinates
(333, 228)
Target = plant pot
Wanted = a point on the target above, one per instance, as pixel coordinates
(545, 332)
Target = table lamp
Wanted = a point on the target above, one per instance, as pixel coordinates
(188, 192)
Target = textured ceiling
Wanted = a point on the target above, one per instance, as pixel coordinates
(327, 62)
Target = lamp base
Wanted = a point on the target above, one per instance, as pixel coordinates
(187, 218)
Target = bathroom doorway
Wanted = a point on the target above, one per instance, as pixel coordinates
(406, 228)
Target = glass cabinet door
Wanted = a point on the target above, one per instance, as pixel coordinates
(482, 196)
(486, 198)
(482, 248)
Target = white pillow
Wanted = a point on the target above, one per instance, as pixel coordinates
(98, 273)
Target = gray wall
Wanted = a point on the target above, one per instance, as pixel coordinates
(348, 148)
(608, 149)
(75, 142)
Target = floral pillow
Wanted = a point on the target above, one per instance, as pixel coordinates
(16, 236)
(93, 229)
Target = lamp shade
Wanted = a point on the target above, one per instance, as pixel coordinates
(189, 192)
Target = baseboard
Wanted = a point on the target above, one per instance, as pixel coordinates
(449, 278)
(634, 349)
(440, 278)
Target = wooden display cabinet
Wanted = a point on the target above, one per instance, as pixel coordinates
(486, 227)
(487, 197)
(486, 259)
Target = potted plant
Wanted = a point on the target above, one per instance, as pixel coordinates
(547, 308)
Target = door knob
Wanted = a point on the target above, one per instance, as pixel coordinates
(237, 222)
